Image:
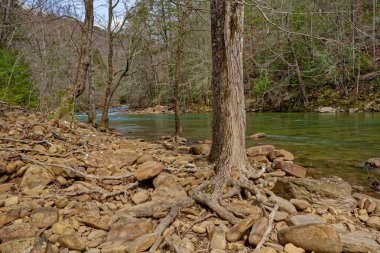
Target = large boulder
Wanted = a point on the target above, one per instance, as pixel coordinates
(36, 175)
(359, 242)
(312, 237)
(325, 191)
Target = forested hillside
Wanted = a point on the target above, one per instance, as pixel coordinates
(298, 55)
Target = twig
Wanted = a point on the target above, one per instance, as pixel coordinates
(77, 172)
(268, 229)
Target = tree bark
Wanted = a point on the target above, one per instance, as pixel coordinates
(91, 98)
(78, 86)
(6, 10)
(107, 95)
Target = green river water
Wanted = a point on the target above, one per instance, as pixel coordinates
(326, 144)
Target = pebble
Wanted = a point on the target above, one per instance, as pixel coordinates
(199, 229)
(290, 248)
(300, 204)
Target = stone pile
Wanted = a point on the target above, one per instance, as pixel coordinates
(69, 188)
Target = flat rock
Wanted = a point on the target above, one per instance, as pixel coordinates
(359, 242)
(374, 222)
(264, 150)
(73, 242)
(44, 217)
(312, 237)
(300, 204)
(24, 245)
(140, 197)
(36, 175)
(326, 109)
(243, 209)
(239, 230)
(285, 155)
(257, 231)
(284, 205)
(148, 170)
(94, 223)
(62, 228)
(257, 136)
(120, 233)
(291, 169)
(373, 163)
(305, 219)
(325, 191)
(8, 217)
(11, 201)
(17, 231)
(142, 243)
(111, 159)
(200, 149)
(280, 216)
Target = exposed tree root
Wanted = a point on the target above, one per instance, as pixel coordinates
(268, 229)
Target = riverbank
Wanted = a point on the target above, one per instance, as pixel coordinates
(79, 189)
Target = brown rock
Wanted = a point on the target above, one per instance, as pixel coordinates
(34, 245)
(111, 159)
(285, 155)
(312, 237)
(257, 136)
(6, 218)
(36, 176)
(373, 163)
(374, 222)
(119, 233)
(141, 244)
(6, 187)
(243, 209)
(73, 242)
(300, 204)
(95, 223)
(238, 230)
(291, 169)
(148, 170)
(200, 149)
(44, 217)
(257, 231)
(140, 197)
(264, 150)
(17, 231)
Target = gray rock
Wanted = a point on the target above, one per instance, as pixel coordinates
(44, 217)
(359, 242)
(325, 191)
(312, 237)
(284, 205)
(305, 219)
(325, 109)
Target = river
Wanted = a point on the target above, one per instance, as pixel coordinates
(326, 144)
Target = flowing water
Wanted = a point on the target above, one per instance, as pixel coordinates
(327, 144)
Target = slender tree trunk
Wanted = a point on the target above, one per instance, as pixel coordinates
(374, 2)
(91, 98)
(177, 68)
(6, 9)
(107, 93)
(78, 86)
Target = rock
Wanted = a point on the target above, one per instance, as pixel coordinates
(127, 231)
(325, 191)
(325, 109)
(62, 228)
(114, 249)
(8, 217)
(291, 169)
(73, 242)
(359, 242)
(373, 163)
(11, 201)
(257, 231)
(279, 216)
(17, 231)
(111, 159)
(373, 106)
(141, 244)
(290, 248)
(367, 204)
(44, 217)
(340, 228)
(36, 175)
(243, 209)
(374, 222)
(312, 237)
(300, 204)
(259, 160)
(148, 170)
(6, 187)
(198, 229)
(264, 150)
(285, 155)
(217, 251)
(305, 219)
(238, 230)
(218, 237)
(204, 173)
(94, 223)
(257, 136)
(27, 245)
(140, 197)
(13, 167)
(284, 205)
(265, 250)
(61, 202)
(359, 197)
(200, 149)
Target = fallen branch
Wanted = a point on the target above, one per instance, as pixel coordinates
(77, 172)
(268, 229)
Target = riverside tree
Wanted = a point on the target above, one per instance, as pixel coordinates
(233, 169)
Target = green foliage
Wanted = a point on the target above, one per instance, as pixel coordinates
(261, 85)
(15, 84)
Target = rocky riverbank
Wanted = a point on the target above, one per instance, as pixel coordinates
(70, 188)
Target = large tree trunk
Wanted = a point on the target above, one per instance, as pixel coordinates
(78, 86)
(107, 94)
(229, 121)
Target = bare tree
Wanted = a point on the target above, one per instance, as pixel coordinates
(229, 119)
(85, 52)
